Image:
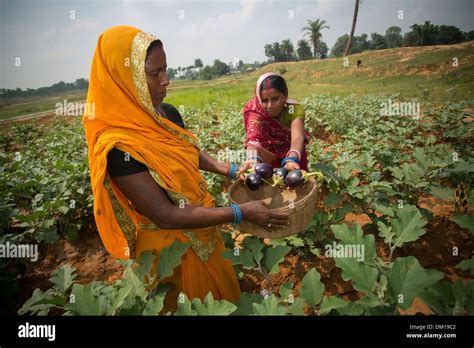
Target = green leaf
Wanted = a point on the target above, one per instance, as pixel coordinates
(83, 301)
(408, 278)
(170, 258)
(278, 241)
(145, 263)
(240, 257)
(184, 306)
(297, 307)
(296, 241)
(36, 303)
(363, 276)
(333, 302)
(269, 307)
(408, 227)
(212, 306)
(353, 237)
(285, 290)
(341, 212)
(117, 299)
(385, 232)
(352, 308)
(442, 192)
(63, 278)
(384, 210)
(465, 221)
(245, 305)
(467, 265)
(439, 298)
(332, 200)
(255, 246)
(136, 285)
(273, 257)
(313, 289)
(154, 306)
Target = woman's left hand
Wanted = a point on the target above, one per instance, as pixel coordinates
(290, 165)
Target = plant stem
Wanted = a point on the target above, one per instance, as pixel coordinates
(392, 249)
(267, 277)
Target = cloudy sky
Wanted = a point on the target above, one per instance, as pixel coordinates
(55, 39)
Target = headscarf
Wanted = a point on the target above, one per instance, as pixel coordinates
(124, 117)
(266, 133)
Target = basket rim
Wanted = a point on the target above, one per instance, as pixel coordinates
(298, 203)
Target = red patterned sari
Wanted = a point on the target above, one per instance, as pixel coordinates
(271, 137)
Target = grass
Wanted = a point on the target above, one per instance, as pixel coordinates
(25, 106)
(424, 73)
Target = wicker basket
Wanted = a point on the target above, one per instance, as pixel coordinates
(301, 213)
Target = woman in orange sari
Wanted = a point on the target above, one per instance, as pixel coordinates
(144, 169)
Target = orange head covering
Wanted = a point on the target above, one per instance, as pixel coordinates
(124, 117)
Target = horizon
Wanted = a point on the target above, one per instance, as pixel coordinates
(207, 30)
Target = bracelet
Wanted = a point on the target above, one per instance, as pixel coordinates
(258, 158)
(296, 151)
(232, 171)
(287, 159)
(237, 213)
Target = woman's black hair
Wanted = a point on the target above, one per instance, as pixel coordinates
(156, 43)
(275, 81)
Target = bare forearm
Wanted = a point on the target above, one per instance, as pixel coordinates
(209, 164)
(297, 143)
(191, 217)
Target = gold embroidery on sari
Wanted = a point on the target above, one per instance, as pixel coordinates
(126, 224)
(140, 44)
(176, 197)
(202, 250)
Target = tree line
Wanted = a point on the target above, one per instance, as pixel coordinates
(420, 35)
(310, 46)
(53, 90)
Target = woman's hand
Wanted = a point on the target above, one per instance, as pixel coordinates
(258, 213)
(290, 165)
(248, 164)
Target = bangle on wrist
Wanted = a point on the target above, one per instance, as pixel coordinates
(295, 151)
(287, 159)
(232, 171)
(237, 213)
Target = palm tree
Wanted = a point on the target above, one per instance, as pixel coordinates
(354, 20)
(314, 31)
(287, 49)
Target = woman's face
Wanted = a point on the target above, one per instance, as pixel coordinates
(273, 101)
(155, 69)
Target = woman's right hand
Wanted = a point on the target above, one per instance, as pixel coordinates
(258, 213)
(248, 164)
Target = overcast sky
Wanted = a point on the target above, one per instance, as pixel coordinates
(55, 44)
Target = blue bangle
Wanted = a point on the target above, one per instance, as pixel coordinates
(233, 171)
(237, 213)
(292, 158)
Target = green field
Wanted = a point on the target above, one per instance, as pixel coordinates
(25, 106)
(425, 73)
(398, 186)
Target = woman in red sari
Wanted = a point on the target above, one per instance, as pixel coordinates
(274, 126)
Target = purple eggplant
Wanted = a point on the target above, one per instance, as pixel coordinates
(254, 181)
(283, 172)
(265, 170)
(298, 177)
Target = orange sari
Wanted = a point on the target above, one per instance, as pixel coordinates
(124, 117)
